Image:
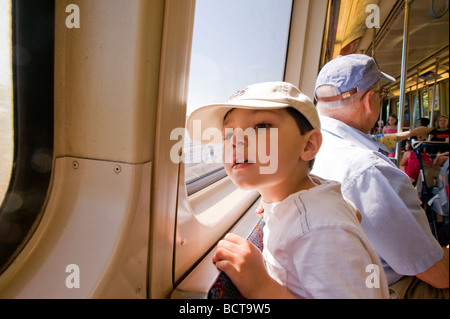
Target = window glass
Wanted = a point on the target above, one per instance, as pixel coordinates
(26, 114)
(425, 102)
(235, 43)
(6, 97)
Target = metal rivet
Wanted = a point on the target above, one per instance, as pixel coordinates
(75, 164)
(138, 289)
(117, 169)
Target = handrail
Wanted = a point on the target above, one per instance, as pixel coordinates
(403, 74)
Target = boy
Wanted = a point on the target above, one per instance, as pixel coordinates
(314, 246)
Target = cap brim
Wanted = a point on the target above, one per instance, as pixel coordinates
(212, 116)
(387, 77)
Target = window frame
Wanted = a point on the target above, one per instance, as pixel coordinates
(196, 184)
(33, 30)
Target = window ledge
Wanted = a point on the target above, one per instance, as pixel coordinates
(198, 283)
(206, 216)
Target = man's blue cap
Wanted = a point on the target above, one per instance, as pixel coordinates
(349, 74)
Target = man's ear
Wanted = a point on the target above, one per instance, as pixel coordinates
(366, 101)
(313, 141)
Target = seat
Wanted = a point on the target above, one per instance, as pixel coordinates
(428, 190)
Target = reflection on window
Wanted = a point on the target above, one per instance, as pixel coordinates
(235, 43)
(6, 97)
(425, 102)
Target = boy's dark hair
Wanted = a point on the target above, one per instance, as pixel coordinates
(303, 125)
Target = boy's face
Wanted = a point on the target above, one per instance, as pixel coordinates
(242, 159)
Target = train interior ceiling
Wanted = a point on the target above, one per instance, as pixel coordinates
(88, 185)
(428, 43)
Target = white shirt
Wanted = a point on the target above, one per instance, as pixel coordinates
(315, 246)
(392, 218)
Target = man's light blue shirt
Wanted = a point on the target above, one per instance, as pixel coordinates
(392, 218)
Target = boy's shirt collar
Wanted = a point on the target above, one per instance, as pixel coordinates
(266, 209)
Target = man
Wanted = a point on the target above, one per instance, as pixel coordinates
(415, 264)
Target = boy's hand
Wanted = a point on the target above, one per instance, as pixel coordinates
(243, 263)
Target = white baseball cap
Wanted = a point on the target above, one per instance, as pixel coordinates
(266, 95)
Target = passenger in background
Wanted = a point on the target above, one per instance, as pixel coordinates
(441, 158)
(441, 134)
(410, 163)
(423, 121)
(441, 131)
(347, 91)
(438, 133)
(314, 246)
(389, 140)
(378, 128)
(391, 127)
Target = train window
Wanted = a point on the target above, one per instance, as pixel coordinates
(26, 111)
(235, 43)
(425, 101)
(6, 120)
